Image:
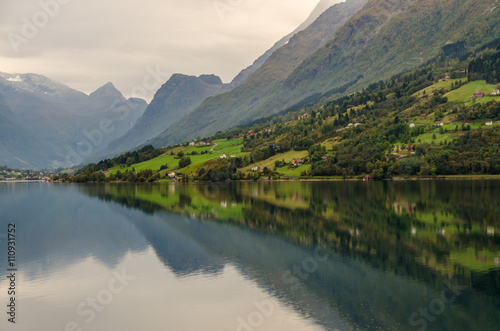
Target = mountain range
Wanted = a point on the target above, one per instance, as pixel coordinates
(57, 126)
(363, 42)
(236, 107)
(182, 94)
(340, 49)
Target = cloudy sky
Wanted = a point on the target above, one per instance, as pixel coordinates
(87, 43)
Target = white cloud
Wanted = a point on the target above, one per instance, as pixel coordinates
(88, 43)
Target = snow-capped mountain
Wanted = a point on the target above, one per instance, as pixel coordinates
(63, 118)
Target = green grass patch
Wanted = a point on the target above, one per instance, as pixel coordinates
(294, 171)
(466, 92)
(288, 157)
(437, 86)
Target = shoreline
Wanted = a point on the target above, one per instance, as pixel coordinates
(23, 181)
(298, 179)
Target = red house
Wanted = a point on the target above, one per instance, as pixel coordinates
(250, 133)
(297, 162)
(209, 143)
(479, 94)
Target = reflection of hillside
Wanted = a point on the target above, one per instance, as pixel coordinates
(182, 255)
(372, 257)
(428, 236)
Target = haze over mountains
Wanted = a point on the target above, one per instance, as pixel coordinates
(181, 94)
(48, 120)
(340, 49)
(371, 42)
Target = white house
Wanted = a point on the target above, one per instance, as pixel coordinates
(191, 143)
(255, 168)
(495, 92)
(223, 156)
(489, 123)
(171, 175)
(412, 125)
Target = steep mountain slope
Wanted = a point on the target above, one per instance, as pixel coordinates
(179, 96)
(388, 37)
(320, 8)
(19, 147)
(109, 104)
(182, 94)
(63, 118)
(233, 107)
(385, 37)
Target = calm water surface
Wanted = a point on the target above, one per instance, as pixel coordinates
(253, 256)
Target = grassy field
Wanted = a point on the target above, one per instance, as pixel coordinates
(287, 157)
(466, 92)
(439, 85)
(295, 171)
(228, 147)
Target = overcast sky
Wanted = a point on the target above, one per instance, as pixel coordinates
(87, 43)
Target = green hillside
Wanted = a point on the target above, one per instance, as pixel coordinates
(466, 93)
(382, 39)
(420, 123)
(239, 106)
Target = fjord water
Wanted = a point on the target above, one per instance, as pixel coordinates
(253, 256)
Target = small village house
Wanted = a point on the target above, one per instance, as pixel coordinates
(495, 92)
(479, 94)
(254, 168)
(223, 156)
(489, 123)
(250, 133)
(209, 143)
(412, 125)
(191, 143)
(297, 163)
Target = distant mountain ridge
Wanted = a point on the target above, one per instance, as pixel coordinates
(47, 119)
(16, 142)
(320, 8)
(237, 106)
(181, 94)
